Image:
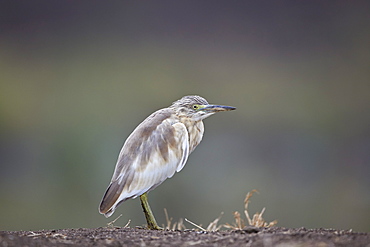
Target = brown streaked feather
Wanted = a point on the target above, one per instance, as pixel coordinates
(137, 141)
(113, 192)
(150, 155)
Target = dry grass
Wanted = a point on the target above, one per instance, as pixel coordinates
(111, 224)
(257, 219)
(212, 227)
(180, 224)
(173, 226)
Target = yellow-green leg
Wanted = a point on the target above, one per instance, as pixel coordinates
(152, 224)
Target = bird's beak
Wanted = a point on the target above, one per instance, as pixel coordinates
(216, 108)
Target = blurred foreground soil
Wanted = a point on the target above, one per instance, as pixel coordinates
(275, 236)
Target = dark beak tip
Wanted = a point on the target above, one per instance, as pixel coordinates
(218, 108)
(229, 108)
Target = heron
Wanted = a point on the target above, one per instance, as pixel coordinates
(157, 149)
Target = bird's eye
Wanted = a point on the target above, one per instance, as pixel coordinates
(195, 107)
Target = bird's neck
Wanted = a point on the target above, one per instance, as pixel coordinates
(195, 130)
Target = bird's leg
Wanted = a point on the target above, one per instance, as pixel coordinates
(152, 224)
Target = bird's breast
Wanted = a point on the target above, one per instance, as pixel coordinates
(195, 130)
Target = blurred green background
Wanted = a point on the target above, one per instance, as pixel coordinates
(77, 77)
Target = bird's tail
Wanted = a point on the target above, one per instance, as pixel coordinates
(109, 202)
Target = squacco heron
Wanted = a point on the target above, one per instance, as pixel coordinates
(155, 150)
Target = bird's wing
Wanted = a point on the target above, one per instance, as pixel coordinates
(155, 150)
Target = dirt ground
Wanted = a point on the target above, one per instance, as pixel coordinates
(250, 236)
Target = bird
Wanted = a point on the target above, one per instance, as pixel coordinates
(157, 149)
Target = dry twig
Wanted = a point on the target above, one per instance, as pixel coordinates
(257, 219)
(198, 226)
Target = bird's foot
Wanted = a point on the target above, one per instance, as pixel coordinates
(154, 227)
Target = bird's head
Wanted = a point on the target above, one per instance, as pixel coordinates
(197, 108)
